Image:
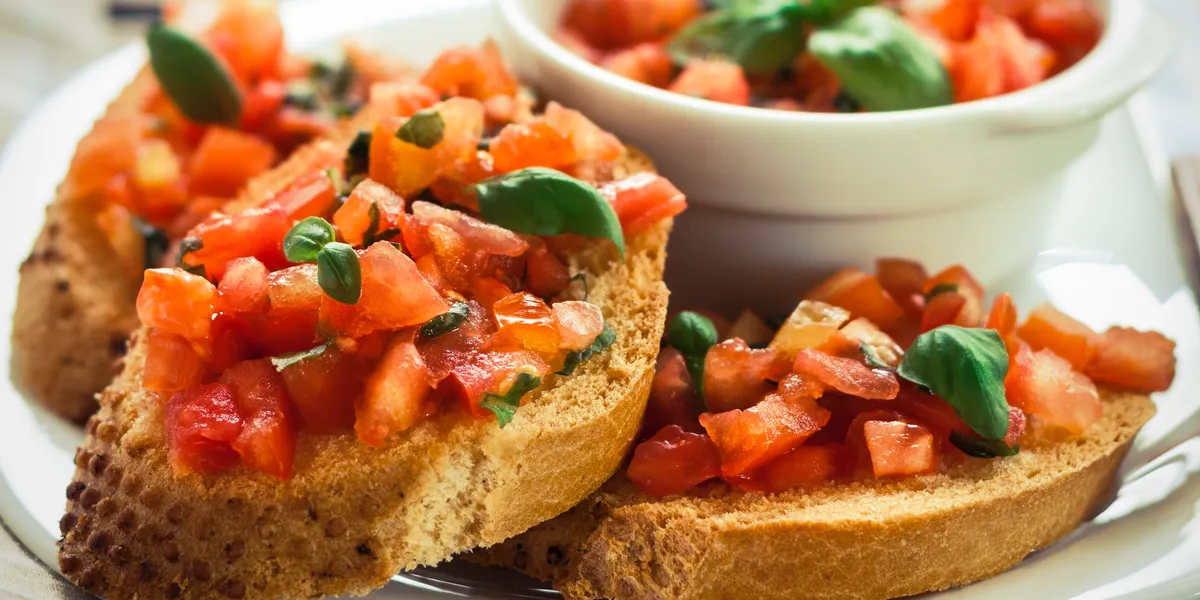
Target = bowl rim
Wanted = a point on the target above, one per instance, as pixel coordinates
(1118, 21)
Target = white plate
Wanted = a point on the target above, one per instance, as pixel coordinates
(1112, 258)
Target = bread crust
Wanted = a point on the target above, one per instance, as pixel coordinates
(866, 540)
(352, 516)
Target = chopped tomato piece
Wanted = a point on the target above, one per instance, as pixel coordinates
(736, 376)
(928, 410)
(545, 275)
(809, 326)
(324, 388)
(202, 422)
(478, 234)
(455, 186)
(157, 166)
(475, 73)
(243, 290)
(479, 374)
(578, 323)
(573, 41)
(1047, 327)
(462, 130)
(977, 70)
(310, 195)
(859, 293)
(864, 332)
(1003, 318)
(394, 295)
(903, 280)
(1136, 360)
(489, 290)
(898, 449)
(1026, 61)
(444, 353)
(354, 219)
(673, 399)
(946, 308)
(256, 232)
(536, 144)
(716, 80)
(295, 289)
(956, 19)
(1066, 23)
(394, 398)
(643, 199)
(171, 363)
(673, 461)
(647, 63)
(614, 23)
(110, 149)
(267, 441)
(959, 279)
(261, 103)
(249, 36)
(1016, 426)
(175, 301)
(528, 320)
(590, 142)
(806, 466)
(401, 98)
(226, 160)
(1043, 384)
(277, 332)
(847, 375)
(405, 168)
(751, 438)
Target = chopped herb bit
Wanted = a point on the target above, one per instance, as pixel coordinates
(358, 156)
(581, 277)
(845, 103)
(156, 242)
(197, 270)
(446, 322)
(606, 338)
(372, 225)
(188, 246)
(505, 406)
(424, 129)
(284, 361)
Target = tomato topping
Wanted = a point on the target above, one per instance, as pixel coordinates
(171, 363)
(1047, 327)
(903, 280)
(613, 23)
(202, 422)
(1003, 318)
(310, 195)
(475, 73)
(400, 98)
(226, 160)
(295, 289)
(488, 372)
(847, 375)
(1016, 426)
(354, 221)
(1140, 361)
(454, 187)
(394, 296)
(277, 332)
(243, 290)
(175, 301)
(110, 149)
(323, 389)
(716, 80)
(946, 308)
(898, 449)
(578, 323)
(1068, 23)
(643, 199)
(267, 441)
(862, 331)
(249, 36)
(256, 232)
(1043, 384)
(673, 461)
(526, 318)
(647, 63)
(536, 144)
(751, 438)
(673, 399)
(463, 123)
(590, 142)
(736, 376)
(956, 19)
(859, 293)
(810, 325)
(444, 353)
(394, 397)
(545, 275)
(478, 234)
(260, 104)
(806, 466)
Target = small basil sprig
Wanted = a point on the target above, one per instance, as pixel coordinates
(881, 61)
(540, 201)
(424, 129)
(446, 322)
(194, 79)
(980, 447)
(761, 36)
(284, 361)
(338, 271)
(692, 334)
(505, 406)
(966, 368)
(606, 338)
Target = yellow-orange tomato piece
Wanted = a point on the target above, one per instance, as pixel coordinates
(395, 394)
(536, 144)
(900, 449)
(1047, 327)
(171, 363)
(1143, 361)
(405, 168)
(462, 129)
(527, 318)
(578, 323)
(175, 301)
(353, 219)
(859, 293)
(865, 332)
(809, 326)
(226, 160)
(157, 165)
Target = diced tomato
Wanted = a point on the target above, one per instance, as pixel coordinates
(578, 323)
(353, 219)
(243, 290)
(809, 326)
(475, 73)
(859, 293)
(716, 80)
(526, 318)
(946, 308)
(1003, 318)
(1066, 23)
(444, 353)
(1016, 426)
(462, 130)
(405, 168)
(956, 19)
(195, 212)
(261, 103)
(256, 232)
(226, 346)
(1043, 384)
(673, 399)
(1135, 360)
(1047, 327)
(324, 388)
(573, 41)
(673, 461)
(536, 144)
(175, 301)
(455, 186)
(903, 280)
(615, 23)
(489, 290)
(293, 127)
(171, 363)
(928, 410)
(157, 166)
(394, 397)
(429, 268)
(806, 466)
(226, 160)
(202, 422)
(295, 289)
(736, 376)
(267, 441)
(545, 275)
(394, 295)
(647, 63)
(249, 36)
(751, 438)
(847, 375)
(643, 199)
(478, 234)
(400, 98)
(310, 195)
(865, 332)
(590, 142)
(277, 332)
(977, 69)
(899, 449)
(482, 373)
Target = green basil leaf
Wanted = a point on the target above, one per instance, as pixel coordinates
(882, 62)
(284, 361)
(692, 334)
(306, 239)
(982, 448)
(941, 288)
(446, 322)
(424, 129)
(187, 246)
(761, 36)
(194, 79)
(606, 338)
(358, 156)
(338, 272)
(373, 216)
(505, 406)
(540, 201)
(966, 368)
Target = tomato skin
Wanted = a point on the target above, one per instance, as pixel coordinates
(394, 396)
(256, 232)
(1016, 426)
(716, 80)
(578, 323)
(1047, 327)
(643, 199)
(861, 294)
(1003, 319)
(903, 280)
(736, 376)
(614, 23)
(527, 319)
(294, 289)
(751, 438)
(900, 449)
(202, 422)
(394, 295)
(545, 275)
(1135, 360)
(175, 301)
(225, 160)
(323, 389)
(589, 141)
(400, 99)
(847, 375)
(353, 219)
(310, 195)
(804, 467)
(1043, 384)
(537, 144)
(647, 63)
(243, 290)
(171, 363)
(267, 441)
(673, 399)
(673, 461)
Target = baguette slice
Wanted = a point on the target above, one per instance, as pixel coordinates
(864, 540)
(352, 516)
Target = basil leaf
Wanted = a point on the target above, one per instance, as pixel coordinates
(505, 406)
(762, 37)
(284, 361)
(155, 242)
(692, 334)
(373, 217)
(338, 272)
(982, 448)
(540, 201)
(882, 62)
(424, 129)
(941, 288)
(966, 368)
(358, 156)
(606, 338)
(187, 246)
(194, 79)
(446, 322)
(306, 239)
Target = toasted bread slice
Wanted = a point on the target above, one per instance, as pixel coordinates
(863, 540)
(352, 516)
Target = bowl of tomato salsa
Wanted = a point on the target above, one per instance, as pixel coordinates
(926, 128)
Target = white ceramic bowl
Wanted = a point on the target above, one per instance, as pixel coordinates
(781, 198)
